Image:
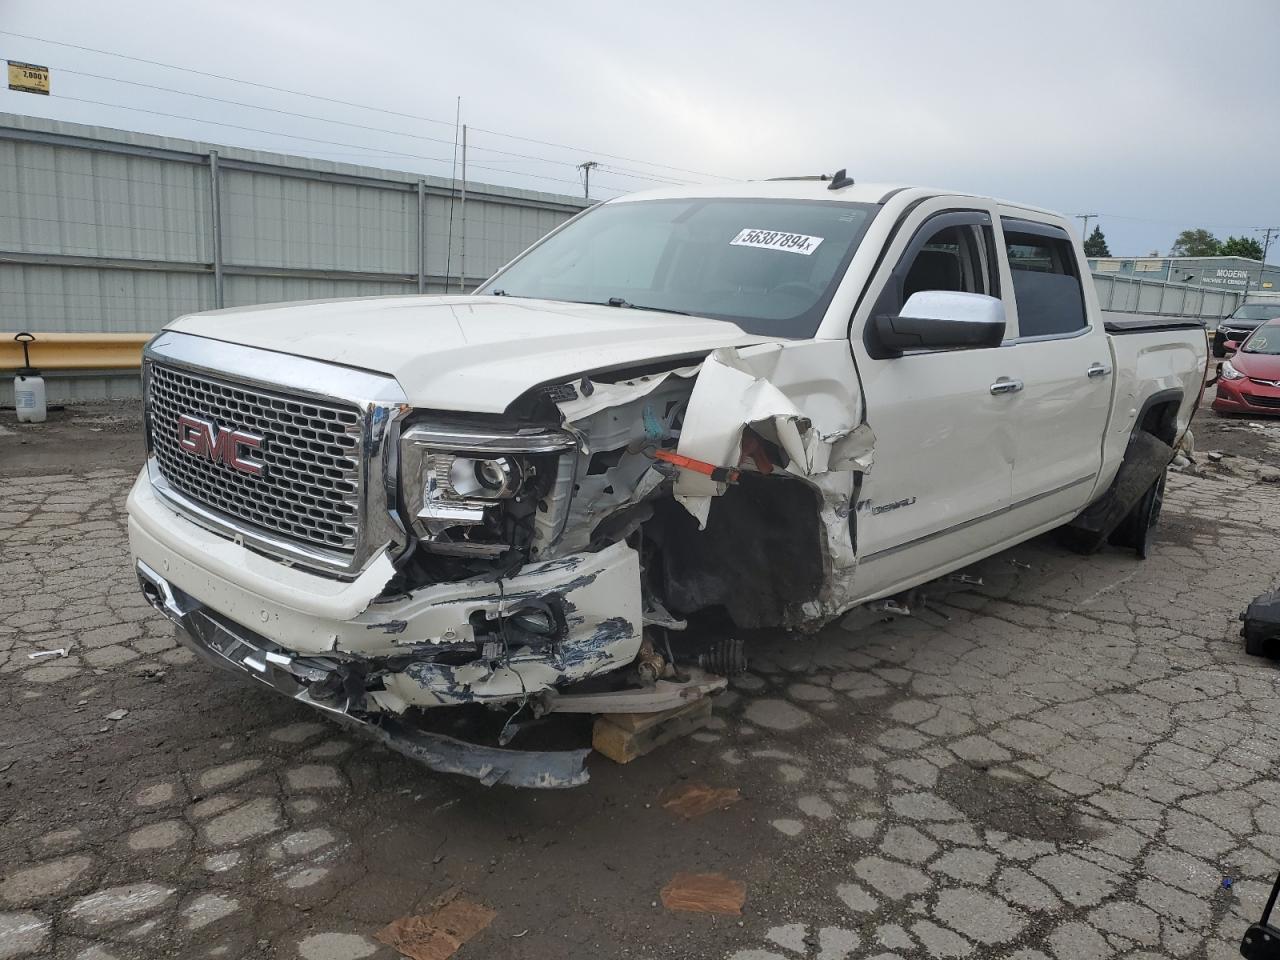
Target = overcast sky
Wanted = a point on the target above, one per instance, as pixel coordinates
(1156, 115)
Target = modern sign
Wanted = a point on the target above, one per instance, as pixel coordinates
(28, 77)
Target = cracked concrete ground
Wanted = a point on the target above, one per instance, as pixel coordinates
(1064, 762)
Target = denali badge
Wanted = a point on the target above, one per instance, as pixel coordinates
(205, 438)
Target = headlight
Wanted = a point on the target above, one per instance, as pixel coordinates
(490, 479)
(457, 476)
(1231, 373)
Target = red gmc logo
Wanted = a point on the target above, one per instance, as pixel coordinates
(204, 438)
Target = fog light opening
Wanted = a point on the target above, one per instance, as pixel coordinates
(536, 618)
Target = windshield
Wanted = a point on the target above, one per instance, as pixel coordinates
(770, 266)
(1257, 311)
(1266, 339)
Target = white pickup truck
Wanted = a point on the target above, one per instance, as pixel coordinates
(775, 401)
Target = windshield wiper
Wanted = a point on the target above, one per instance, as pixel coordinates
(620, 302)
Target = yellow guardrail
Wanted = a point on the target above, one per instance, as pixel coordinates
(75, 351)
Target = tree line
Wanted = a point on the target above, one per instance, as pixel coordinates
(1197, 242)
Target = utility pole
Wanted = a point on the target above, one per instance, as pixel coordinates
(1266, 245)
(453, 191)
(1262, 272)
(586, 177)
(1086, 217)
(462, 269)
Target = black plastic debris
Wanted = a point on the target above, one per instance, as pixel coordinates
(1261, 630)
(1262, 941)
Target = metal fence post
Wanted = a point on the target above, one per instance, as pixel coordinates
(215, 195)
(422, 235)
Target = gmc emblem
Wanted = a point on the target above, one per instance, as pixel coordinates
(204, 438)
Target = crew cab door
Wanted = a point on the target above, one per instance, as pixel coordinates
(1062, 358)
(945, 440)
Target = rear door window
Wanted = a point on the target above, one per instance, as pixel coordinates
(1046, 280)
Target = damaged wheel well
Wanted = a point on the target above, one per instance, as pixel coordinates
(760, 557)
(1159, 416)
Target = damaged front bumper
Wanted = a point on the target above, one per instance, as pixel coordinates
(345, 649)
(240, 651)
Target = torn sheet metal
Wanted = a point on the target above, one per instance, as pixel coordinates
(629, 420)
(795, 397)
(603, 396)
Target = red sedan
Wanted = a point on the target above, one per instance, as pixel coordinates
(1250, 381)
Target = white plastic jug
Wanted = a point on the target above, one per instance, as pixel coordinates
(28, 388)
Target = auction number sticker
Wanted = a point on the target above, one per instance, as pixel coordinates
(776, 240)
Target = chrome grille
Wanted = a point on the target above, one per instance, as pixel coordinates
(309, 490)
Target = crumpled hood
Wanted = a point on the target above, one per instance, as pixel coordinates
(470, 353)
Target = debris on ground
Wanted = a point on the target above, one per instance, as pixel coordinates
(704, 893)
(624, 736)
(437, 935)
(1261, 630)
(60, 652)
(116, 715)
(690, 800)
(1186, 448)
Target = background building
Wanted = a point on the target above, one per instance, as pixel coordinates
(1229, 273)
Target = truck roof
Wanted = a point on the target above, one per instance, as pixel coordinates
(813, 189)
(805, 189)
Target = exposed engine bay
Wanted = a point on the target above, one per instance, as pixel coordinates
(732, 496)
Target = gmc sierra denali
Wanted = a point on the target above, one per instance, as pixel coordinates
(778, 400)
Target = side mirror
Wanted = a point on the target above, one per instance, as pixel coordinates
(942, 320)
(1231, 345)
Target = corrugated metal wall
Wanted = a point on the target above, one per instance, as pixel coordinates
(1134, 295)
(110, 231)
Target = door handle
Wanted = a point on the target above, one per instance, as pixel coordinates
(1098, 370)
(1005, 385)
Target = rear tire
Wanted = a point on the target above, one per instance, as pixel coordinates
(1136, 528)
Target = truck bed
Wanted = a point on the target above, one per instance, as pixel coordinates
(1118, 324)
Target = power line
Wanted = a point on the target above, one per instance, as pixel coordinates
(635, 175)
(348, 103)
(298, 136)
(610, 156)
(344, 123)
(1175, 223)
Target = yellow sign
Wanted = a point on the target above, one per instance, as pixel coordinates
(28, 77)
